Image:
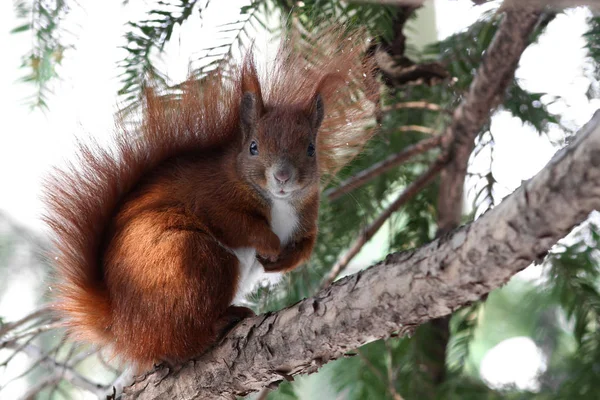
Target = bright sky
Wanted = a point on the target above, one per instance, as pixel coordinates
(84, 102)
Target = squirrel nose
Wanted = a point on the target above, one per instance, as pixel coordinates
(282, 175)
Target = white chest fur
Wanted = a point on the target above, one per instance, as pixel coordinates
(284, 222)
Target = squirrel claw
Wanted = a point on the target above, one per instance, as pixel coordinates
(266, 259)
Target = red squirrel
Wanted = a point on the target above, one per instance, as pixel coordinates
(159, 239)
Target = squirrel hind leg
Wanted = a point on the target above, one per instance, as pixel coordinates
(233, 315)
(171, 308)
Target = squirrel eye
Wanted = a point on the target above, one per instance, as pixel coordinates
(253, 148)
(311, 150)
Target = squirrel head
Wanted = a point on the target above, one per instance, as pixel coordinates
(278, 151)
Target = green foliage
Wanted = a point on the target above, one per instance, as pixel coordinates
(42, 20)
(462, 329)
(573, 282)
(592, 37)
(147, 38)
(315, 14)
(529, 107)
(462, 52)
(150, 35)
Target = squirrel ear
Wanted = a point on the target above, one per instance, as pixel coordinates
(316, 111)
(251, 109)
(251, 105)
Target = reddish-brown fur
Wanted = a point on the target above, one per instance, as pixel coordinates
(143, 232)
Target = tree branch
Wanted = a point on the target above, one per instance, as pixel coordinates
(379, 168)
(484, 95)
(398, 294)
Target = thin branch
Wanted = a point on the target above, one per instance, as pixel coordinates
(42, 312)
(16, 351)
(33, 332)
(383, 166)
(398, 294)
(34, 363)
(423, 105)
(370, 365)
(391, 374)
(389, 383)
(81, 357)
(33, 392)
(409, 192)
(66, 372)
(417, 128)
(106, 364)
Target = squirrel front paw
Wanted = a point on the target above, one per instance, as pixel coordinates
(264, 259)
(269, 248)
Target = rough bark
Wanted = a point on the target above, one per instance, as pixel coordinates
(484, 95)
(398, 294)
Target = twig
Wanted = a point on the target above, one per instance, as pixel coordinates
(32, 332)
(33, 391)
(413, 104)
(370, 365)
(106, 364)
(417, 128)
(33, 365)
(81, 356)
(67, 372)
(379, 168)
(411, 190)
(8, 359)
(389, 383)
(391, 374)
(44, 312)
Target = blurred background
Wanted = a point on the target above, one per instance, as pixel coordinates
(68, 66)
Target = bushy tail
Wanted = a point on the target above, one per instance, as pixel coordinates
(82, 199)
